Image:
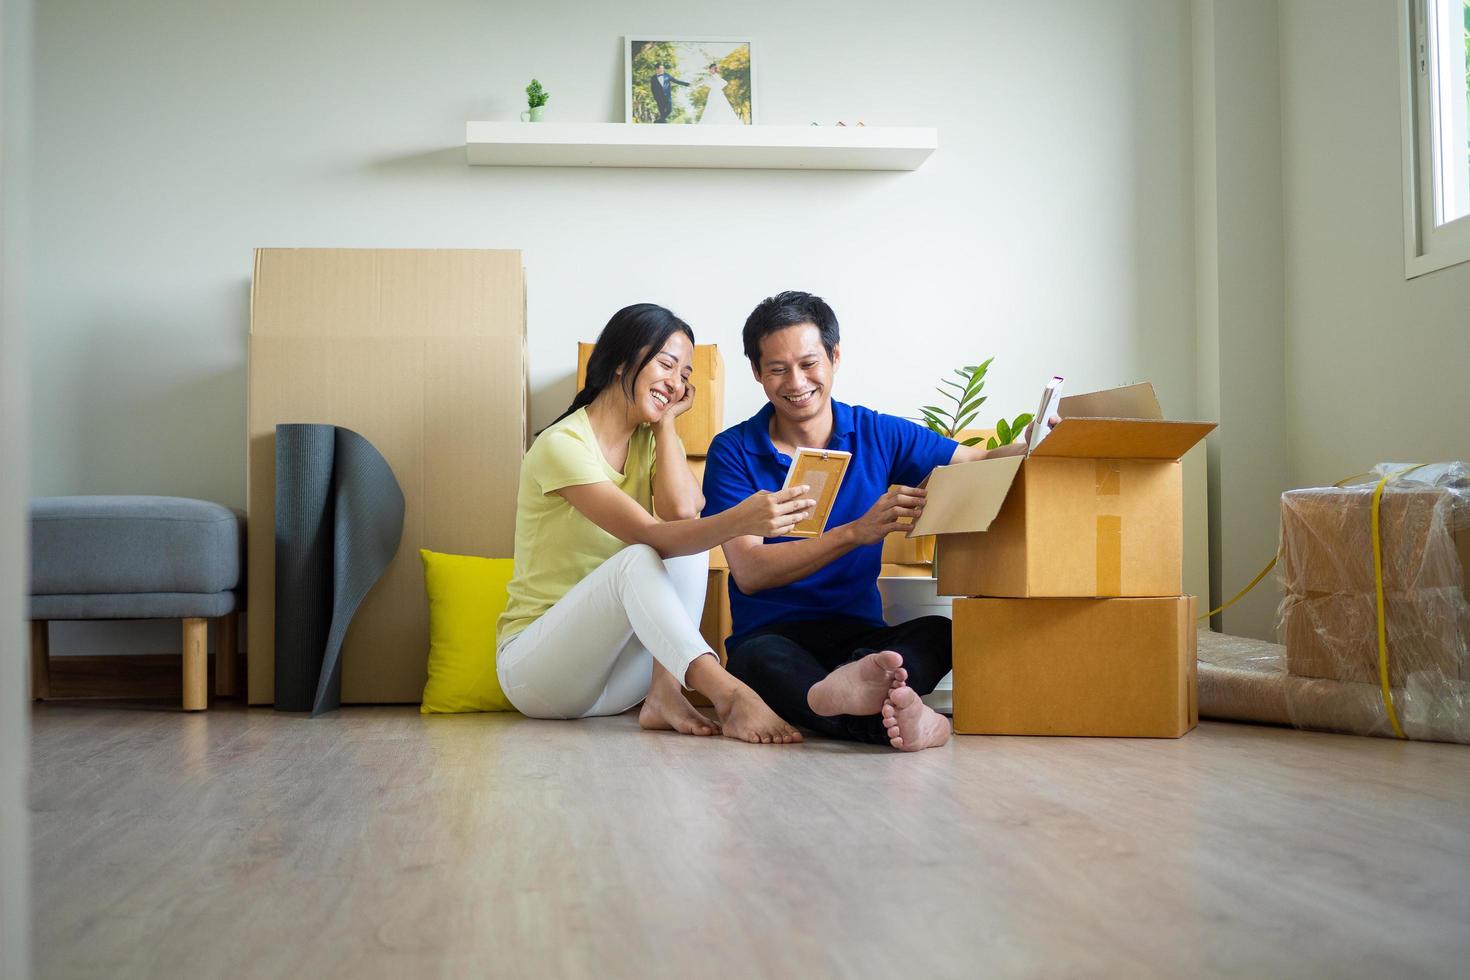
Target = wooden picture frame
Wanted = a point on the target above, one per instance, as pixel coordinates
(822, 470)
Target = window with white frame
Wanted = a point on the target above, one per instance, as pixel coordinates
(1435, 36)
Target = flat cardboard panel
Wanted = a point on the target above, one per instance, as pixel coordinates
(1103, 667)
(348, 337)
(1122, 439)
(1129, 402)
(1076, 527)
(697, 427)
(349, 292)
(471, 426)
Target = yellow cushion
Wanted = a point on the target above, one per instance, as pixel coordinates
(466, 596)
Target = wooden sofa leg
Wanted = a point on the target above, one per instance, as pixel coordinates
(226, 655)
(40, 660)
(196, 664)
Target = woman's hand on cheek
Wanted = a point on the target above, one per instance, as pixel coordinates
(683, 404)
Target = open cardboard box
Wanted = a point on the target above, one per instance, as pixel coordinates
(1095, 510)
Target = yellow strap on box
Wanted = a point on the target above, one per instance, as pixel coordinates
(1393, 717)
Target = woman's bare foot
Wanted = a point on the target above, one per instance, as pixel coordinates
(913, 725)
(666, 710)
(858, 688)
(742, 713)
(746, 717)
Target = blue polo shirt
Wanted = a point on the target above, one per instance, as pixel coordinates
(885, 449)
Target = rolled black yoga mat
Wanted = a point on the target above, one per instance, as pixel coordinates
(339, 518)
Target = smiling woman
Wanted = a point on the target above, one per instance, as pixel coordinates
(611, 554)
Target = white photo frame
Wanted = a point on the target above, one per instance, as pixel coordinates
(689, 98)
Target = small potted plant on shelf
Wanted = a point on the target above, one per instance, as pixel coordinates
(536, 97)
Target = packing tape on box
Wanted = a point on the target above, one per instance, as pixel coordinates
(1108, 487)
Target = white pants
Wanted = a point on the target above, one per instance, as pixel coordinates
(592, 652)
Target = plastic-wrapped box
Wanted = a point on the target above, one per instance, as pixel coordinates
(1327, 676)
(1329, 619)
(1336, 636)
(1327, 544)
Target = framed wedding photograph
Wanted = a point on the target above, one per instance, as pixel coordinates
(698, 81)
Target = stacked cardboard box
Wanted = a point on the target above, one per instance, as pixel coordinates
(1329, 617)
(697, 428)
(1070, 562)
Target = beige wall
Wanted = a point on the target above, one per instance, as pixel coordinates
(1377, 366)
(1053, 227)
(1316, 355)
(15, 735)
(1239, 296)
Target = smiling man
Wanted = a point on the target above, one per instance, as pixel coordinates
(808, 633)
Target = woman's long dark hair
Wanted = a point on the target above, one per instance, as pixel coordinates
(631, 339)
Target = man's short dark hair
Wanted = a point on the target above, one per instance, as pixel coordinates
(787, 310)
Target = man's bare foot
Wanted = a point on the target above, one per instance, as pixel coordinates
(666, 709)
(747, 718)
(913, 725)
(858, 688)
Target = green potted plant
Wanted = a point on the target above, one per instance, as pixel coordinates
(965, 399)
(536, 98)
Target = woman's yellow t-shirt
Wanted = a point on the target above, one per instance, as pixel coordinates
(556, 547)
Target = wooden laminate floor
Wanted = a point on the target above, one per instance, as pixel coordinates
(376, 843)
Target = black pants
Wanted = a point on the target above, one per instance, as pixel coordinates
(782, 663)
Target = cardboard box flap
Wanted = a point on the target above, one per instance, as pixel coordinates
(1129, 402)
(1094, 438)
(966, 497)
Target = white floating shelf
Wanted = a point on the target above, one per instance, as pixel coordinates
(515, 144)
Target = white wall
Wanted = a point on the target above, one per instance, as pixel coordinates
(15, 734)
(1053, 228)
(1377, 366)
